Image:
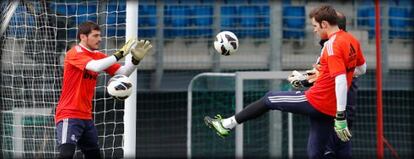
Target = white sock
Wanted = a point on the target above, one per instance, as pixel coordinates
(229, 123)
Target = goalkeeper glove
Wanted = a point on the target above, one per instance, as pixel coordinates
(341, 127)
(312, 75)
(295, 79)
(125, 49)
(140, 50)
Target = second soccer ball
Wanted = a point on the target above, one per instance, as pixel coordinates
(226, 43)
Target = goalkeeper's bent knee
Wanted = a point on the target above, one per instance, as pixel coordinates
(66, 151)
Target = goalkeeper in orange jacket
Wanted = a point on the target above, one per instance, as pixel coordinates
(82, 64)
(336, 148)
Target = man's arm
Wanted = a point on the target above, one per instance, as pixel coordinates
(102, 64)
(360, 70)
(132, 60)
(337, 69)
(127, 68)
(341, 92)
(341, 125)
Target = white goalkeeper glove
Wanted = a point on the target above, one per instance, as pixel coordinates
(126, 49)
(312, 75)
(140, 50)
(295, 79)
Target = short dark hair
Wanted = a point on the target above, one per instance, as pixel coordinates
(87, 27)
(324, 13)
(341, 21)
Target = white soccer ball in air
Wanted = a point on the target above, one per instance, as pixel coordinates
(119, 87)
(226, 43)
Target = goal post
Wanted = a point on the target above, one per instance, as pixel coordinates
(275, 117)
(130, 115)
(24, 122)
(7, 14)
(190, 104)
(239, 78)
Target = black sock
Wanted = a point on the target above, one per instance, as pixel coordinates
(92, 154)
(253, 110)
(66, 151)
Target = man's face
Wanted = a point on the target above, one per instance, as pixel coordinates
(92, 40)
(319, 29)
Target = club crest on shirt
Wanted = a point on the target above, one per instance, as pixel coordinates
(78, 49)
(89, 75)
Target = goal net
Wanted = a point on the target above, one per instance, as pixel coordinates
(283, 135)
(268, 136)
(36, 35)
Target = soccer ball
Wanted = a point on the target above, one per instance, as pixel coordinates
(226, 43)
(119, 87)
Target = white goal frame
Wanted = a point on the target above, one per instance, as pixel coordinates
(240, 77)
(130, 111)
(18, 115)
